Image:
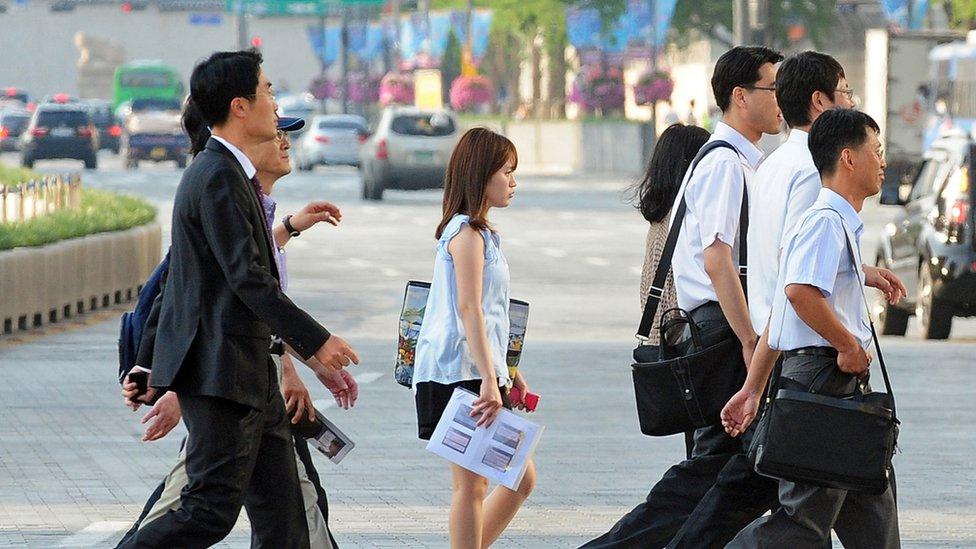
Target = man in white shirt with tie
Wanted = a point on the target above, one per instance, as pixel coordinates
(819, 320)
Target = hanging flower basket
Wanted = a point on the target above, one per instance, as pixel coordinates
(598, 90)
(322, 88)
(471, 93)
(363, 89)
(653, 87)
(396, 89)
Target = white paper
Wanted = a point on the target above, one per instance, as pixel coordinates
(499, 453)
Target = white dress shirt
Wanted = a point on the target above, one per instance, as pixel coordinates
(785, 186)
(816, 254)
(714, 198)
(242, 159)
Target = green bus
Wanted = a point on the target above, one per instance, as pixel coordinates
(146, 80)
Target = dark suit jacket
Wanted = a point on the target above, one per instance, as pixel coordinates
(222, 299)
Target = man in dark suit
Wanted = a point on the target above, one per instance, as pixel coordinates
(221, 305)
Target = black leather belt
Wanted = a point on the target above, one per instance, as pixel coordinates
(828, 352)
(277, 347)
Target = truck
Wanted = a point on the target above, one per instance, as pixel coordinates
(898, 93)
(151, 130)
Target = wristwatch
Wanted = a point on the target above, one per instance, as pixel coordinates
(291, 230)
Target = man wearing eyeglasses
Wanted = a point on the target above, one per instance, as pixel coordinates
(706, 277)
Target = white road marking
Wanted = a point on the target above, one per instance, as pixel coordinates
(554, 252)
(597, 261)
(393, 273)
(359, 263)
(636, 270)
(94, 535)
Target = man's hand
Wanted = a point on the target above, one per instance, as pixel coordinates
(130, 391)
(167, 413)
(853, 360)
(740, 411)
(341, 384)
(336, 353)
(315, 212)
(298, 401)
(886, 281)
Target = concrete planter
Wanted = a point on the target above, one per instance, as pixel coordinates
(47, 283)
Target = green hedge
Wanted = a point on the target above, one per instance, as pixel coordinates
(100, 212)
(10, 175)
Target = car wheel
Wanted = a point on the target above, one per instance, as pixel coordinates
(372, 189)
(91, 163)
(935, 316)
(181, 162)
(27, 162)
(890, 319)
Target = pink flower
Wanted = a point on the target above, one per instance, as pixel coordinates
(468, 92)
(396, 88)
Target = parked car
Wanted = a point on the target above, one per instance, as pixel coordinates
(109, 129)
(409, 150)
(15, 94)
(330, 139)
(12, 125)
(930, 244)
(60, 131)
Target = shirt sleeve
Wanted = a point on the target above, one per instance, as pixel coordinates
(814, 254)
(803, 194)
(717, 201)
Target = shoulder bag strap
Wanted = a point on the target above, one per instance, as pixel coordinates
(867, 309)
(664, 266)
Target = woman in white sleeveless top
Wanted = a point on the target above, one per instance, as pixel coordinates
(464, 337)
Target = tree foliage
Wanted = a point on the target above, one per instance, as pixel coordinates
(706, 16)
(961, 13)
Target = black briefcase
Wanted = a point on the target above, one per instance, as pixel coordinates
(824, 440)
(682, 388)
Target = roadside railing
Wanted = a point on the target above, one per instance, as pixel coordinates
(39, 197)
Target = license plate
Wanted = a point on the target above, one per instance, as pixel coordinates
(62, 132)
(158, 152)
(423, 157)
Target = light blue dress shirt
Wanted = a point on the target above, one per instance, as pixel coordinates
(714, 197)
(785, 186)
(816, 254)
(442, 353)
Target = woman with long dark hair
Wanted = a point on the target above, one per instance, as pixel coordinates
(654, 196)
(464, 338)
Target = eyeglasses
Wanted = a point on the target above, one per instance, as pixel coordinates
(849, 92)
(280, 135)
(766, 88)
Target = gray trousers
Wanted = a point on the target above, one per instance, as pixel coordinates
(807, 512)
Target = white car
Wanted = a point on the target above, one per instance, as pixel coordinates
(330, 139)
(409, 150)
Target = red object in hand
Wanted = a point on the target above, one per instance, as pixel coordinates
(530, 399)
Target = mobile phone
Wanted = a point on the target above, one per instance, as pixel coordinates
(530, 400)
(141, 379)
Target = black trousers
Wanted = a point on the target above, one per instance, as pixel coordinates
(236, 456)
(301, 449)
(706, 499)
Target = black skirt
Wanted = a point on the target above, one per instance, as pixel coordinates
(432, 398)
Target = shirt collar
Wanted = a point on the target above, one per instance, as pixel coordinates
(242, 159)
(843, 207)
(746, 148)
(799, 137)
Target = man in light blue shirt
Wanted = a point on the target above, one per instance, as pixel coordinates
(819, 320)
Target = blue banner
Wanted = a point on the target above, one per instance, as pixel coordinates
(632, 29)
(896, 11)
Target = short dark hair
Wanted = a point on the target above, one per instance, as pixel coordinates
(222, 77)
(675, 149)
(834, 131)
(739, 67)
(799, 77)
